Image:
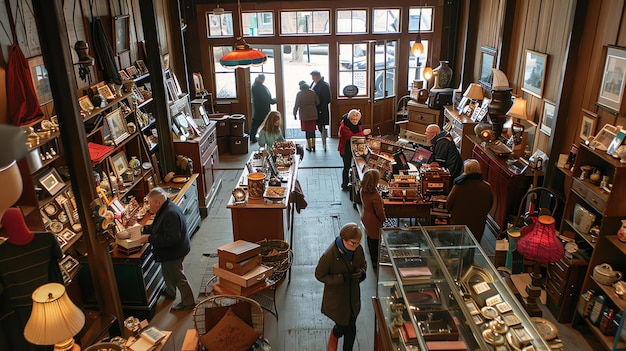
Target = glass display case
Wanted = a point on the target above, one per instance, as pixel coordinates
(438, 290)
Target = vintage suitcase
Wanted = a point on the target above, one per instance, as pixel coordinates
(258, 274)
(238, 251)
(239, 145)
(242, 267)
(225, 284)
(237, 125)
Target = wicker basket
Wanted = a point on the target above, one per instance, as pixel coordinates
(273, 251)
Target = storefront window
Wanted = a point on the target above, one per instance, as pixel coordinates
(257, 23)
(304, 22)
(225, 80)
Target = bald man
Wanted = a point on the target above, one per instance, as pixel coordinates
(444, 150)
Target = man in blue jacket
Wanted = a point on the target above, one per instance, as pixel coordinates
(170, 244)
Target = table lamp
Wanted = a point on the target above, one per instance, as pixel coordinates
(541, 245)
(474, 93)
(518, 113)
(54, 319)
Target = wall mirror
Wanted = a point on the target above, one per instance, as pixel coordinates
(121, 33)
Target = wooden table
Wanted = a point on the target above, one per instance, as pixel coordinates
(160, 347)
(258, 219)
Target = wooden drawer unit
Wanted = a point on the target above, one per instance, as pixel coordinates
(420, 116)
(188, 203)
(563, 283)
(460, 127)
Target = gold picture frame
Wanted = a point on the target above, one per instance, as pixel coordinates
(117, 126)
(106, 92)
(534, 75)
(119, 163)
(41, 80)
(85, 103)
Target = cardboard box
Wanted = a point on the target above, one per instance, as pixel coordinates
(242, 267)
(239, 145)
(238, 251)
(236, 289)
(256, 275)
(190, 343)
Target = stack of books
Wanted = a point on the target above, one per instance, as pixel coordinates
(239, 267)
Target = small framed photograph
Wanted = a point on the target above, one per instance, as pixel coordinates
(548, 117)
(481, 287)
(141, 66)
(587, 124)
(487, 64)
(535, 64)
(117, 126)
(611, 93)
(511, 319)
(124, 75)
(41, 80)
(52, 182)
(106, 92)
(472, 308)
(494, 300)
(193, 125)
(85, 104)
(67, 234)
(171, 89)
(617, 141)
(132, 71)
(119, 163)
(503, 307)
(605, 137)
(62, 241)
(477, 320)
(137, 94)
(117, 206)
(166, 62)
(68, 263)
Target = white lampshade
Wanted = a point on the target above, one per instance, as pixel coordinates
(500, 81)
(518, 110)
(54, 318)
(474, 92)
(427, 73)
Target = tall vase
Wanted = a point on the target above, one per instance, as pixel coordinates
(443, 75)
(500, 104)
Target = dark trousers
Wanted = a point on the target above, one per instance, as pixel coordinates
(347, 163)
(348, 332)
(372, 247)
(254, 127)
(310, 135)
(175, 278)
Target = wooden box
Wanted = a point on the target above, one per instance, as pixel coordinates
(258, 274)
(242, 267)
(190, 343)
(435, 321)
(238, 251)
(236, 289)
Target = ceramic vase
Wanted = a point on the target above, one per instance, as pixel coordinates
(500, 104)
(443, 72)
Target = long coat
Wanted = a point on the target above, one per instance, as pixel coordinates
(306, 101)
(322, 89)
(261, 101)
(373, 214)
(469, 202)
(446, 154)
(345, 133)
(340, 292)
(168, 233)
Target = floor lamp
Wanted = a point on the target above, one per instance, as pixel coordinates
(540, 245)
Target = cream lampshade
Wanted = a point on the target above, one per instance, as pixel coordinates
(54, 319)
(474, 92)
(518, 110)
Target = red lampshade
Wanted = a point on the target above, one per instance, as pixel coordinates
(243, 56)
(541, 244)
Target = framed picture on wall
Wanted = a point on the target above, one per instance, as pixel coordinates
(487, 64)
(588, 121)
(121, 33)
(535, 64)
(547, 117)
(41, 81)
(611, 93)
(117, 126)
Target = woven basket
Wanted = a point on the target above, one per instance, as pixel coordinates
(273, 251)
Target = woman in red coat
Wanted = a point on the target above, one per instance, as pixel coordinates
(350, 126)
(373, 214)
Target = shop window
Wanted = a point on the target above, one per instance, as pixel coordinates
(257, 23)
(219, 25)
(351, 22)
(385, 69)
(225, 80)
(304, 22)
(386, 20)
(425, 14)
(353, 67)
(421, 59)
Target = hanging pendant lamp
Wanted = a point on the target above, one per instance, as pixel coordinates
(242, 55)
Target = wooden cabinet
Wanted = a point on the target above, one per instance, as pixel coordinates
(459, 126)
(419, 116)
(609, 209)
(203, 152)
(508, 186)
(563, 283)
(187, 200)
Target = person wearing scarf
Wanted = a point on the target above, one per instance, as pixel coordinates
(470, 199)
(350, 126)
(341, 269)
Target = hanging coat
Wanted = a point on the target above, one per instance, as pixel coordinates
(104, 53)
(22, 98)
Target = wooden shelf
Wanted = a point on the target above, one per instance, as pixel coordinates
(110, 104)
(69, 244)
(45, 163)
(585, 236)
(607, 341)
(141, 77)
(618, 244)
(43, 203)
(43, 141)
(610, 293)
(150, 124)
(144, 103)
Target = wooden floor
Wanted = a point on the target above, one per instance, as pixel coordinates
(300, 325)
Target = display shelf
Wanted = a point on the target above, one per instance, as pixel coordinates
(149, 125)
(141, 77)
(618, 244)
(44, 141)
(44, 202)
(69, 244)
(607, 341)
(609, 291)
(44, 164)
(585, 236)
(144, 103)
(110, 104)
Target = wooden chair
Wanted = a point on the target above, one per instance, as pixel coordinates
(201, 318)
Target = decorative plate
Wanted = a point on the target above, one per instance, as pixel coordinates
(50, 209)
(239, 195)
(489, 312)
(545, 328)
(180, 179)
(56, 227)
(146, 165)
(62, 217)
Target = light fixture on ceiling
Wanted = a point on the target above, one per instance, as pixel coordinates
(417, 49)
(242, 55)
(218, 10)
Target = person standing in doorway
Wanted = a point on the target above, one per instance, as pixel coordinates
(170, 244)
(322, 89)
(342, 269)
(306, 99)
(261, 101)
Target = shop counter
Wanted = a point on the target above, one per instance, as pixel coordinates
(257, 219)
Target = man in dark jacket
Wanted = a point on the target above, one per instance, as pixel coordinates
(444, 150)
(322, 89)
(170, 244)
(261, 101)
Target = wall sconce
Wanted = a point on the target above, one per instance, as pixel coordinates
(54, 319)
(84, 60)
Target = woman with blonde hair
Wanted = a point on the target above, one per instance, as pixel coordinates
(342, 268)
(373, 214)
(270, 130)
